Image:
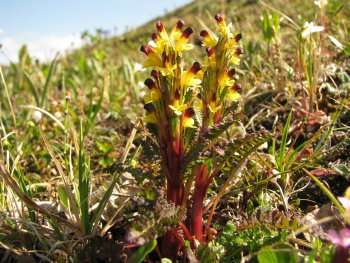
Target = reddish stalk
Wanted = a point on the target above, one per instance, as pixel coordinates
(198, 198)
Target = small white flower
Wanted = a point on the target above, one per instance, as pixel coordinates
(321, 3)
(138, 67)
(37, 116)
(58, 114)
(310, 28)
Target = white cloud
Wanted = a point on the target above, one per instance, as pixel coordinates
(41, 47)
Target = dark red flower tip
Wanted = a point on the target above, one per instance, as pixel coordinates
(236, 87)
(238, 37)
(204, 33)
(165, 57)
(160, 26)
(149, 107)
(146, 49)
(195, 67)
(189, 112)
(210, 51)
(155, 74)
(177, 94)
(187, 32)
(231, 73)
(219, 18)
(180, 24)
(239, 51)
(155, 37)
(150, 84)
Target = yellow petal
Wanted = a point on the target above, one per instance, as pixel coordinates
(234, 96)
(188, 123)
(178, 109)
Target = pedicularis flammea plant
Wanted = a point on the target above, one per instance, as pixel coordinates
(188, 110)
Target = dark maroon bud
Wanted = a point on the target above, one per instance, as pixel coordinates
(146, 49)
(155, 74)
(210, 51)
(213, 97)
(204, 33)
(165, 57)
(177, 94)
(195, 67)
(199, 96)
(160, 26)
(218, 18)
(187, 32)
(149, 107)
(150, 84)
(189, 112)
(239, 51)
(155, 37)
(238, 37)
(236, 87)
(180, 24)
(231, 73)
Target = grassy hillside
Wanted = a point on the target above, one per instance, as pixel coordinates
(85, 176)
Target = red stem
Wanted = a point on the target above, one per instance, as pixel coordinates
(198, 198)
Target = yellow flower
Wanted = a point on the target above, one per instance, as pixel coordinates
(182, 44)
(161, 30)
(153, 59)
(191, 78)
(208, 40)
(187, 120)
(232, 92)
(211, 62)
(178, 108)
(168, 67)
(154, 92)
(234, 56)
(226, 78)
(233, 42)
(153, 95)
(176, 32)
(222, 27)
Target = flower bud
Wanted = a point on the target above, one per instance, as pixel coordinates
(219, 18)
(239, 51)
(177, 94)
(231, 73)
(149, 107)
(237, 37)
(187, 32)
(147, 49)
(195, 68)
(160, 26)
(180, 24)
(236, 87)
(155, 74)
(210, 51)
(189, 112)
(150, 84)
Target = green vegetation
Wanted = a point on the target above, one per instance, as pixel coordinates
(236, 149)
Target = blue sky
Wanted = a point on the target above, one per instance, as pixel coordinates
(50, 26)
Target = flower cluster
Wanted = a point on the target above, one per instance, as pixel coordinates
(219, 84)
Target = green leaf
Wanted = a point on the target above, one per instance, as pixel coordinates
(282, 253)
(62, 194)
(48, 80)
(143, 251)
